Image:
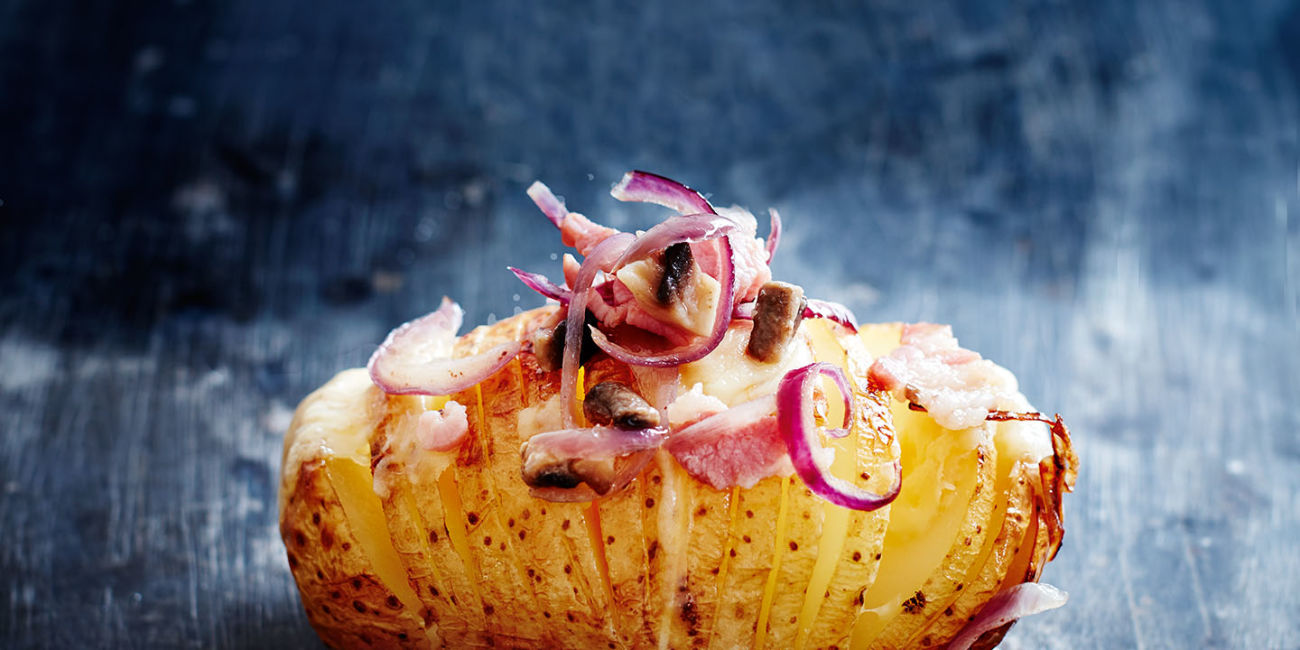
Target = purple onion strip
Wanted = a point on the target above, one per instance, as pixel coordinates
(543, 285)
(602, 258)
(774, 236)
(415, 358)
(550, 205)
(644, 187)
(794, 418)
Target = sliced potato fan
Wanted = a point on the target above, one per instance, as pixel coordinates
(395, 545)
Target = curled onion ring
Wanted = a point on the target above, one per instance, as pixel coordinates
(794, 417)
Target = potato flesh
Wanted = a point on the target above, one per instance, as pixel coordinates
(1015, 442)
(984, 579)
(923, 525)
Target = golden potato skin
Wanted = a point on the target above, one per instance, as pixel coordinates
(544, 574)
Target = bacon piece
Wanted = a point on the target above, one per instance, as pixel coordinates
(953, 384)
(582, 233)
(727, 456)
(752, 271)
(443, 430)
(571, 266)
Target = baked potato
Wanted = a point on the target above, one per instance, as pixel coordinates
(458, 519)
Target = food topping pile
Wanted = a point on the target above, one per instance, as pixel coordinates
(690, 296)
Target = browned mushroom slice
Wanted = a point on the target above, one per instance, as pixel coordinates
(610, 403)
(678, 265)
(544, 469)
(777, 315)
(548, 342)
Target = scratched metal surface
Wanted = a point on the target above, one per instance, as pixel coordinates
(211, 207)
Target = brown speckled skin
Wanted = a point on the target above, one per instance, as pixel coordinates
(345, 601)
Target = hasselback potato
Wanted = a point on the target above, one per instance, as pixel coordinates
(794, 482)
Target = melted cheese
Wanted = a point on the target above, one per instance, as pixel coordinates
(734, 377)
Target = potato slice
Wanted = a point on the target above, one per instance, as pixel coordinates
(436, 561)
(573, 605)
(795, 556)
(348, 575)
(710, 518)
(564, 548)
(686, 562)
(1001, 550)
(975, 477)
(749, 561)
(503, 585)
(847, 573)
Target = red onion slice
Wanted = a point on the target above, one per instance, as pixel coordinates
(794, 416)
(644, 187)
(550, 205)
(1010, 604)
(596, 442)
(697, 348)
(690, 228)
(774, 236)
(602, 258)
(543, 285)
(415, 359)
(833, 311)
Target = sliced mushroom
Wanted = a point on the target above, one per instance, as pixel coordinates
(548, 343)
(597, 473)
(543, 470)
(610, 403)
(777, 315)
(556, 474)
(678, 266)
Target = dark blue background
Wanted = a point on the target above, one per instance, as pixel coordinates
(211, 207)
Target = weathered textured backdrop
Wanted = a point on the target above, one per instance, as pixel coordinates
(211, 207)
